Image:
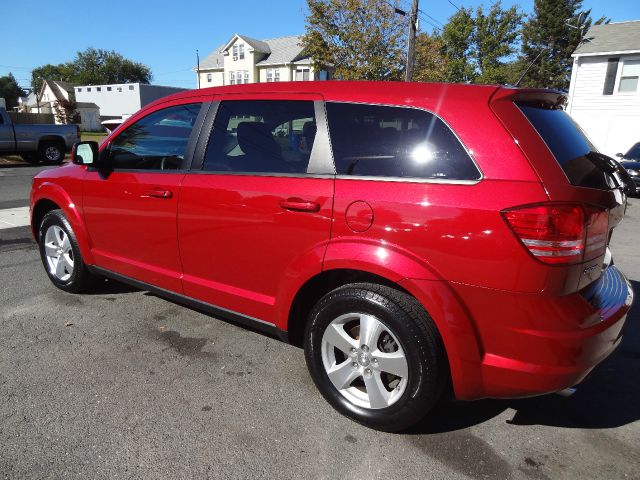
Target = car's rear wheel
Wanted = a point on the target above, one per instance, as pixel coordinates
(61, 255)
(51, 153)
(375, 355)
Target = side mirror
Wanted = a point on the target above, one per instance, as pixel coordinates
(619, 155)
(85, 153)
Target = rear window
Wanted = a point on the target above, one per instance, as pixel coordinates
(583, 165)
(384, 141)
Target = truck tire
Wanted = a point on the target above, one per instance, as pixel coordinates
(31, 158)
(51, 152)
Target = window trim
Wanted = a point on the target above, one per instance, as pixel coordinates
(321, 164)
(621, 65)
(319, 168)
(409, 179)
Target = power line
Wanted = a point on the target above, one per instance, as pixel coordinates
(432, 18)
(457, 7)
(429, 22)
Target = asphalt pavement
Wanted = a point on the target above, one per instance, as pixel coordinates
(123, 384)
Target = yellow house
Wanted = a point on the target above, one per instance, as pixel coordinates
(247, 60)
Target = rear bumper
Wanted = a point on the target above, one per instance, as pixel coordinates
(536, 344)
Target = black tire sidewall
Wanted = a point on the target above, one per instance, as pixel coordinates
(77, 279)
(423, 386)
(43, 156)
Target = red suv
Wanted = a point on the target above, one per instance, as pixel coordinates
(413, 237)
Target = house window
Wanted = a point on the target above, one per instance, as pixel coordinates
(302, 74)
(629, 76)
(238, 51)
(98, 89)
(246, 76)
(232, 78)
(89, 89)
(273, 75)
(131, 87)
(119, 89)
(209, 77)
(79, 90)
(108, 89)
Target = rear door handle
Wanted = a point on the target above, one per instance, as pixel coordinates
(159, 193)
(299, 205)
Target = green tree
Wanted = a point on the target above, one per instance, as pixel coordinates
(357, 39)
(93, 66)
(431, 65)
(548, 41)
(62, 71)
(10, 90)
(457, 36)
(494, 42)
(479, 46)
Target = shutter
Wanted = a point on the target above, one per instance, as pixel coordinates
(610, 79)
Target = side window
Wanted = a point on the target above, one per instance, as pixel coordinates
(380, 141)
(155, 142)
(262, 136)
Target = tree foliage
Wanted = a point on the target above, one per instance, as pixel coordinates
(66, 111)
(93, 66)
(479, 46)
(431, 65)
(548, 41)
(10, 90)
(357, 39)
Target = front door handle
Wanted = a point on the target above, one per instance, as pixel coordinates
(299, 205)
(155, 193)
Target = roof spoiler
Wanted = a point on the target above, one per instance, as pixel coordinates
(535, 97)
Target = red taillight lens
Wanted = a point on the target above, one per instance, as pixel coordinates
(560, 233)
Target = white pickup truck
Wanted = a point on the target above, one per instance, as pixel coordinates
(36, 143)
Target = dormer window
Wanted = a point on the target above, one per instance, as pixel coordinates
(238, 51)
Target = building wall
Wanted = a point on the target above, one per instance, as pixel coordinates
(285, 72)
(122, 100)
(612, 122)
(217, 78)
(248, 63)
(114, 100)
(149, 93)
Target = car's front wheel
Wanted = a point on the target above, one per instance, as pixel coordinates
(61, 255)
(375, 355)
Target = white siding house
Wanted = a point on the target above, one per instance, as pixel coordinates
(247, 60)
(604, 95)
(122, 100)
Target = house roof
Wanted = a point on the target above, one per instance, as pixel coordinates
(278, 50)
(610, 37)
(57, 87)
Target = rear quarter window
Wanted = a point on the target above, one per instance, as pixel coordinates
(581, 162)
(386, 141)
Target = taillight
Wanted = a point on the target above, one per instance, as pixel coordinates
(559, 233)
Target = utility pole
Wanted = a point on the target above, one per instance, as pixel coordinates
(198, 67)
(411, 44)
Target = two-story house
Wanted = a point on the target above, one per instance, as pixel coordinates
(604, 95)
(247, 60)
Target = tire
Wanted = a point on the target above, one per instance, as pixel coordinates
(369, 393)
(61, 256)
(51, 153)
(31, 158)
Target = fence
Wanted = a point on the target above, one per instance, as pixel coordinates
(37, 118)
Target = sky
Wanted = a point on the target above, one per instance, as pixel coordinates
(165, 34)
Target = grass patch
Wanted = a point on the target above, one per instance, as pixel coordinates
(95, 136)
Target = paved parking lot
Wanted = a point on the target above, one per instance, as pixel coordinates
(123, 384)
